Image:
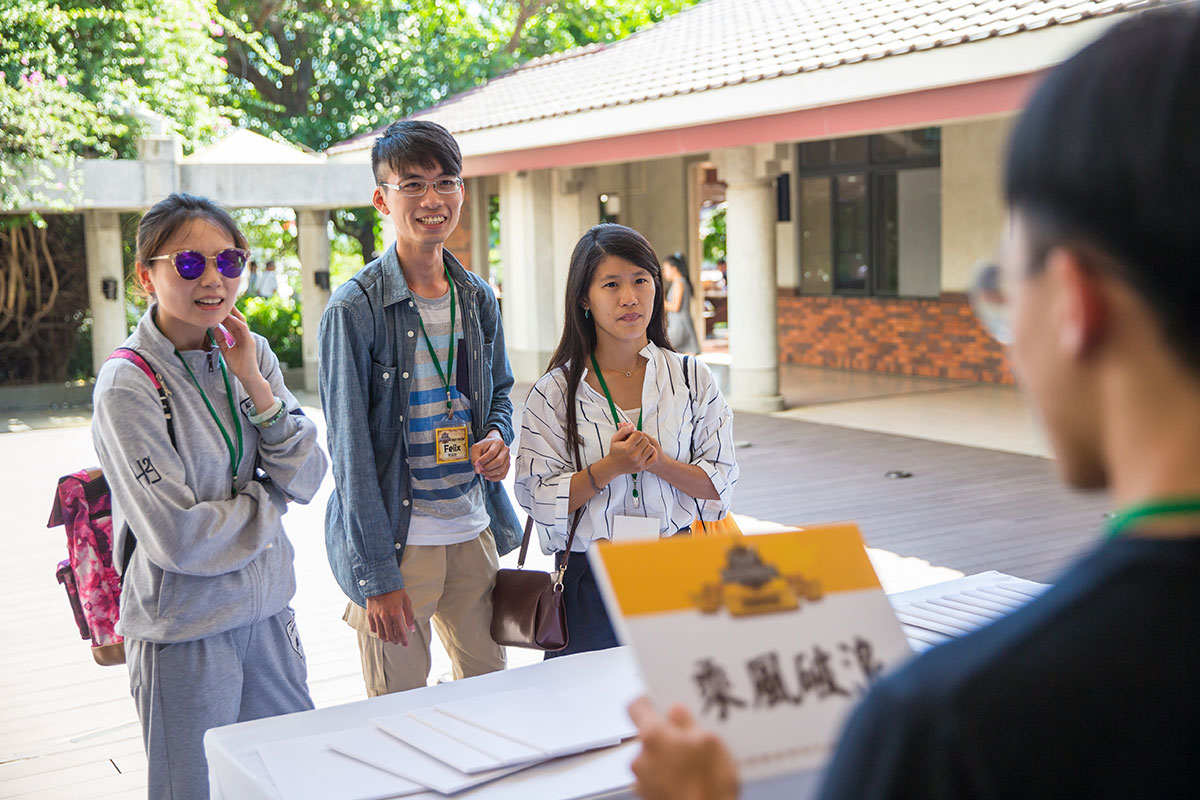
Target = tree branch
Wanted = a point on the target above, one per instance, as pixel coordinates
(525, 10)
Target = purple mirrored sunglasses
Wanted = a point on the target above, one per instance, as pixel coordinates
(190, 264)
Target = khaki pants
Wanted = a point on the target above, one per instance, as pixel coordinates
(450, 586)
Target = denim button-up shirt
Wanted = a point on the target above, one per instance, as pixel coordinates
(365, 376)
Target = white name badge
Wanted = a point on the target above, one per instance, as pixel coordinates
(450, 444)
(627, 529)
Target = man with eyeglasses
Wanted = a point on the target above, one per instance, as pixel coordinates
(1093, 690)
(415, 380)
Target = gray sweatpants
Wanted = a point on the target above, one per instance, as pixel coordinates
(183, 689)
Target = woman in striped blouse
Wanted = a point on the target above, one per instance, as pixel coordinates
(652, 435)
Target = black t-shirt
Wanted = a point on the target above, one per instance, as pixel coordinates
(1090, 691)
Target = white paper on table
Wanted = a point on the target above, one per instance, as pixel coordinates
(373, 746)
(549, 722)
(506, 752)
(599, 772)
(627, 529)
(448, 750)
(305, 769)
(955, 626)
(611, 698)
(950, 606)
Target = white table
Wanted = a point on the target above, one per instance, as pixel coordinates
(237, 772)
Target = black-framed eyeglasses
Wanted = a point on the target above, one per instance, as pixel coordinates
(190, 264)
(416, 187)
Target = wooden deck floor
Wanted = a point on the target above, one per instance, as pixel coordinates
(68, 727)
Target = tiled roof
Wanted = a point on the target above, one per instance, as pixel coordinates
(721, 43)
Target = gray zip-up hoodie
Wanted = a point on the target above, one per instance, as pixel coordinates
(206, 560)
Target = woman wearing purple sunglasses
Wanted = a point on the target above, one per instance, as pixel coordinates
(198, 500)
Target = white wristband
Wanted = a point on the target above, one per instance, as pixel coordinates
(259, 419)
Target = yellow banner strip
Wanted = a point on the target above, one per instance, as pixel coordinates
(680, 573)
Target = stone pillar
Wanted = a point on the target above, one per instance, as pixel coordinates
(313, 241)
(575, 207)
(529, 287)
(753, 311)
(106, 283)
(160, 155)
(481, 229)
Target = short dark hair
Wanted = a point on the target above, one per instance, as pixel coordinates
(1106, 154)
(415, 143)
(159, 224)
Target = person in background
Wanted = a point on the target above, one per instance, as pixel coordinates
(680, 330)
(1090, 691)
(268, 281)
(250, 279)
(653, 435)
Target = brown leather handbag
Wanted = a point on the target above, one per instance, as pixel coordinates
(527, 605)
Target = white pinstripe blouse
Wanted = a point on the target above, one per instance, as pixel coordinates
(693, 424)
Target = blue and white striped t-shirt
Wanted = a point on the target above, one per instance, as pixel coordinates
(448, 506)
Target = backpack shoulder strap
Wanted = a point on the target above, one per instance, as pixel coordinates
(131, 355)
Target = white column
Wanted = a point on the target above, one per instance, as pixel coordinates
(313, 241)
(481, 229)
(160, 155)
(102, 245)
(575, 208)
(753, 312)
(529, 293)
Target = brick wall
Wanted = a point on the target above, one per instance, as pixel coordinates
(937, 338)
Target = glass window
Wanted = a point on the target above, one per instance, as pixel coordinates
(889, 146)
(870, 214)
(925, 143)
(850, 151)
(887, 231)
(816, 154)
(851, 233)
(816, 227)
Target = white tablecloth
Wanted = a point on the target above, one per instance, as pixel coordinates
(236, 771)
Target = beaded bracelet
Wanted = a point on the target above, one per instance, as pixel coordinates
(269, 417)
(278, 415)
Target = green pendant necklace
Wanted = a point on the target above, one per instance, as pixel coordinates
(617, 421)
(235, 455)
(446, 376)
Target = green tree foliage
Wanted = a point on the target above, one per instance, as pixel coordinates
(81, 79)
(712, 231)
(76, 78)
(538, 27)
(318, 72)
(279, 321)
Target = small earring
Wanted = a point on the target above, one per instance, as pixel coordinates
(587, 312)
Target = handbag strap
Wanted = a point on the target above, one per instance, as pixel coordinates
(570, 540)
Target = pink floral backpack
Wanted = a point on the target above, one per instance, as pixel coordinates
(83, 505)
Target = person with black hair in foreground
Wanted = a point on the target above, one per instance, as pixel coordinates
(1093, 690)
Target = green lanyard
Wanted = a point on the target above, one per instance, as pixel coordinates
(445, 376)
(616, 419)
(235, 457)
(1176, 506)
